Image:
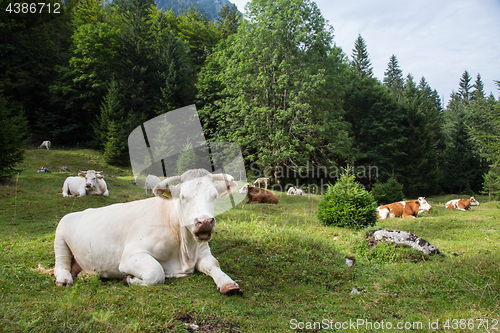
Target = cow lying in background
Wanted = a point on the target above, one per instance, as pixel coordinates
(259, 181)
(88, 183)
(294, 191)
(145, 241)
(150, 182)
(403, 208)
(45, 144)
(462, 204)
(258, 195)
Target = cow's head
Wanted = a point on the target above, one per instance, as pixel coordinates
(473, 201)
(424, 205)
(91, 178)
(244, 189)
(196, 196)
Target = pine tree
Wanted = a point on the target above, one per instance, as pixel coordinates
(420, 176)
(13, 139)
(393, 77)
(465, 87)
(361, 62)
(478, 93)
(460, 155)
(228, 19)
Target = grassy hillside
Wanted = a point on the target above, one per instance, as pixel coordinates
(291, 268)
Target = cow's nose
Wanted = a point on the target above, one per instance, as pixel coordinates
(205, 222)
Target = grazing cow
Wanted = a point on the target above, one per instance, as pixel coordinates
(403, 208)
(258, 195)
(45, 144)
(145, 241)
(259, 181)
(294, 191)
(462, 204)
(88, 183)
(150, 182)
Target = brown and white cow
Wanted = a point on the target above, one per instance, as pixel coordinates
(87, 183)
(462, 204)
(258, 195)
(146, 241)
(403, 208)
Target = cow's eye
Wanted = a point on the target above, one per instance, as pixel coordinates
(183, 197)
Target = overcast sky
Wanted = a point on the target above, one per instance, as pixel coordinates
(437, 39)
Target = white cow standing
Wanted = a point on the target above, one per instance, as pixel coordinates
(87, 183)
(150, 182)
(259, 181)
(45, 144)
(148, 240)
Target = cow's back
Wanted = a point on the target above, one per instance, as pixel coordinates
(411, 208)
(452, 204)
(459, 204)
(97, 237)
(391, 210)
(258, 195)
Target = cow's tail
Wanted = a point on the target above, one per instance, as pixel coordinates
(65, 189)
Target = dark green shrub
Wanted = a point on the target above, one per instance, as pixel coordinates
(347, 204)
(13, 134)
(388, 192)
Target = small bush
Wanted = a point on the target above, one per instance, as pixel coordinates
(347, 204)
(388, 192)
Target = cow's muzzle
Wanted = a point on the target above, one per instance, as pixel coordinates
(204, 228)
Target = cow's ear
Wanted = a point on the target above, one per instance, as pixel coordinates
(81, 174)
(166, 191)
(224, 188)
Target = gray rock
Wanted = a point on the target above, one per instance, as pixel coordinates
(405, 237)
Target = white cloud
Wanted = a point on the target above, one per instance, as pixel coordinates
(438, 39)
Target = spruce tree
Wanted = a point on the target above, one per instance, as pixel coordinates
(393, 77)
(13, 139)
(465, 87)
(361, 62)
(478, 93)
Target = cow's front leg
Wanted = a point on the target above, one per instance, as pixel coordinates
(208, 265)
(142, 269)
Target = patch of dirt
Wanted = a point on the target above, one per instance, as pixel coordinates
(209, 324)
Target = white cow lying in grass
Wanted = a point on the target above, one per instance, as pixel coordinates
(88, 183)
(146, 241)
(294, 191)
(150, 183)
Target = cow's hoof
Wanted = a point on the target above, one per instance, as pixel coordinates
(63, 284)
(231, 288)
(126, 280)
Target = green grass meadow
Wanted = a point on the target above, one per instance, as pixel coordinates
(290, 267)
